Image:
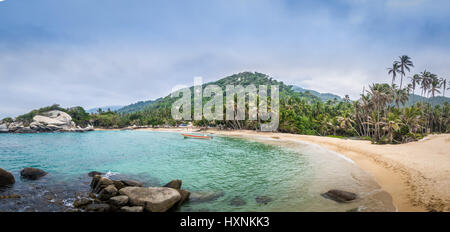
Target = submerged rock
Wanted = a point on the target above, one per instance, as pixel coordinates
(205, 196)
(184, 196)
(264, 200)
(32, 173)
(6, 178)
(153, 199)
(175, 184)
(339, 195)
(237, 201)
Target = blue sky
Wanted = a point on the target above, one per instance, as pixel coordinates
(115, 52)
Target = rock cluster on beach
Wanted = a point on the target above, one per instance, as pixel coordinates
(131, 196)
(51, 121)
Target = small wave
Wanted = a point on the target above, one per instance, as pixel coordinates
(110, 173)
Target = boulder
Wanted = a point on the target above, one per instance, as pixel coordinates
(175, 184)
(98, 208)
(4, 128)
(32, 173)
(107, 192)
(102, 183)
(79, 203)
(94, 181)
(237, 201)
(25, 130)
(153, 199)
(54, 120)
(205, 196)
(118, 184)
(132, 183)
(339, 195)
(184, 196)
(264, 200)
(119, 200)
(14, 126)
(6, 178)
(132, 209)
(94, 173)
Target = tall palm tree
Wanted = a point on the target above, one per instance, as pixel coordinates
(415, 80)
(435, 85)
(424, 81)
(393, 71)
(444, 84)
(405, 64)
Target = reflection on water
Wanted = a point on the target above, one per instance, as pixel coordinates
(220, 170)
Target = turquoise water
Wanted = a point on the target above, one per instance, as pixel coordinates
(229, 167)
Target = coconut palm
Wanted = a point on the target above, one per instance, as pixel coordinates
(444, 84)
(435, 85)
(404, 64)
(393, 71)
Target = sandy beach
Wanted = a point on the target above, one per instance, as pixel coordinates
(416, 174)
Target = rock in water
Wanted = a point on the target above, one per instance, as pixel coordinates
(132, 183)
(107, 192)
(184, 196)
(54, 120)
(6, 178)
(94, 173)
(263, 200)
(205, 196)
(98, 208)
(119, 200)
(339, 195)
(32, 173)
(132, 209)
(153, 199)
(175, 184)
(100, 183)
(79, 203)
(237, 201)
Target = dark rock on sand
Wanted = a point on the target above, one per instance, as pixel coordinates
(339, 195)
(205, 196)
(32, 173)
(237, 201)
(6, 178)
(94, 173)
(175, 184)
(264, 200)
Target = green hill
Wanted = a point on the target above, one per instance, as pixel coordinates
(323, 96)
(244, 79)
(437, 100)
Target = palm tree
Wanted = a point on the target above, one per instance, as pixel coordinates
(444, 84)
(393, 71)
(424, 81)
(405, 63)
(435, 85)
(415, 80)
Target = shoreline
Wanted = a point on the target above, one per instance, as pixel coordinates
(415, 174)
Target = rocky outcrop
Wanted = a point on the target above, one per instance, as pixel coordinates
(4, 128)
(153, 199)
(94, 173)
(50, 121)
(32, 173)
(339, 195)
(6, 178)
(116, 195)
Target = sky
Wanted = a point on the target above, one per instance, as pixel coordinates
(116, 52)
